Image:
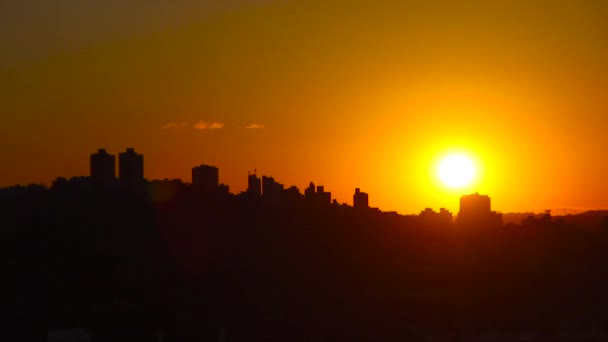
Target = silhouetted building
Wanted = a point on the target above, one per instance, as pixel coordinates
(292, 193)
(206, 176)
(475, 204)
(224, 188)
(310, 192)
(271, 189)
(360, 199)
(323, 196)
(475, 209)
(446, 214)
(103, 166)
(254, 185)
(430, 217)
(317, 196)
(538, 220)
(131, 166)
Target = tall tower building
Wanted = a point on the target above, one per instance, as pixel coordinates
(103, 166)
(254, 185)
(131, 166)
(206, 176)
(441, 218)
(360, 199)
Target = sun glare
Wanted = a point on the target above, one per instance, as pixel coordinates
(456, 171)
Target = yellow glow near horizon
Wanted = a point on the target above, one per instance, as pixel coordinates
(456, 171)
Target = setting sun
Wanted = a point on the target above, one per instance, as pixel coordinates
(456, 171)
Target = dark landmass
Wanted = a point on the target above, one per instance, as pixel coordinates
(127, 262)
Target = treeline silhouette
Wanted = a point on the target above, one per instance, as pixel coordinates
(134, 262)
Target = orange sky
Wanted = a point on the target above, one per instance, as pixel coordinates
(349, 93)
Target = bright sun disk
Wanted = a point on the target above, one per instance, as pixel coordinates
(456, 171)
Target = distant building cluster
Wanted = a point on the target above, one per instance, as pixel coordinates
(475, 209)
(131, 170)
(317, 194)
(269, 189)
(431, 217)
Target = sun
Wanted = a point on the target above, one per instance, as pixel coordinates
(456, 171)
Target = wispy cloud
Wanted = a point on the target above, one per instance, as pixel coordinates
(254, 126)
(202, 125)
(173, 124)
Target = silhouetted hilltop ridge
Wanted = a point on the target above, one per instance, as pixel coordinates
(592, 219)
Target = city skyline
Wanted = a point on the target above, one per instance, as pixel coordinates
(346, 92)
(129, 167)
(124, 257)
(106, 167)
(475, 208)
(304, 170)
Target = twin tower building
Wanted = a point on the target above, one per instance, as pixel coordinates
(130, 166)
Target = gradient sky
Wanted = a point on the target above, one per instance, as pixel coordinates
(344, 93)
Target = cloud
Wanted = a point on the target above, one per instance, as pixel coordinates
(216, 125)
(202, 125)
(172, 125)
(254, 126)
